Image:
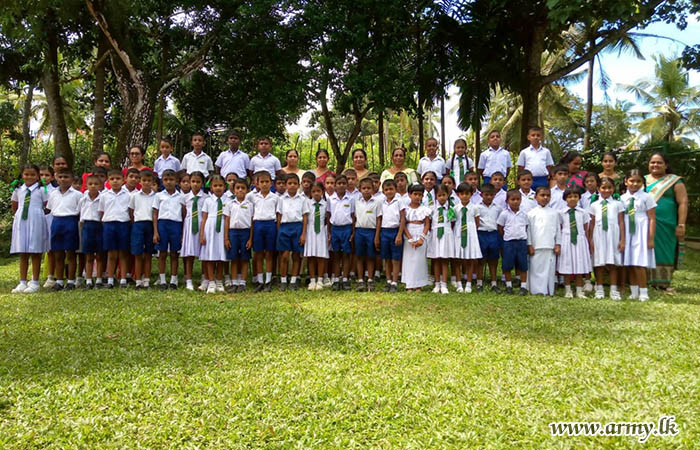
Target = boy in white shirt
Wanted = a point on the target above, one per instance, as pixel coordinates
(238, 220)
(197, 160)
(495, 158)
(527, 195)
(513, 226)
(264, 229)
(264, 160)
(341, 212)
(91, 237)
(116, 228)
(64, 206)
(536, 158)
(367, 210)
(557, 202)
(292, 219)
(498, 181)
(391, 234)
(166, 161)
(432, 162)
(141, 208)
(489, 239)
(168, 213)
(233, 160)
(544, 243)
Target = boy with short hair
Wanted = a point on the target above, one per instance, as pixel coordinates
(264, 229)
(141, 211)
(527, 195)
(402, 188)
(166, 161)
(233, 160)
(513, 228)
(498, 181)
(265, 160)
(292, 218)
(341, 212)
(489, 239)
(352, 189)
(64, 206)
(561, 174)
(238, 221)
(536, 158)
(281, 184)
(116, 227)
(307, 181)
(132, 179)
(197, 160)
(495, 158)
(91, 238)
(390, 234)
(473, 179)
(544, 243)
(367, 211)
(168, 214)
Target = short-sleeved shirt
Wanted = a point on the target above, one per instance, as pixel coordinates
(536, 160)
(192, 162)
(265, 207)
(643, 202)
(269, 162)
(115, 205)
(436, 165)
(64, 204)
(240, 214)
(497, 160)
(527, 201)
(161, 165)
(169, 206)
(488, 217)
(453, 165)
(89, 208)
(435, 218)
(142, 204)
(391, 212)
(366, 212)
(292, 209)
(341, 209)
(514, 224)
(556, 200)
(236, 162)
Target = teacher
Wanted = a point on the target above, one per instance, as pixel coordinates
(577, 176)
(359, 163)
(291, 165)
(321, 170)
(398, 158)
(668, 190)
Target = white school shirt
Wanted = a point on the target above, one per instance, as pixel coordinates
(391, 212)
(89, 208)
(500, 198)
(142, 204)
(356, 194)
(292, 209)
(643, 202)
(476, 198)
(585, 201)
(497, 160)
(341, 209)
(115, 205)
(514, 224)
(426, 200)
(536, 160)
(434, 222)
(161, 165)
(264, 208)
(270, 163)
(366, 212)
(64, 204)
(404, 198)
(169, 206)
(615, 207)
(240, 214)
(228, 196)
(436, 165)
(544, 228)
(489, 216)
(556, 201)
(452, 165)
(379, 196)
(527, 201)
(236, 162)
(192, 162)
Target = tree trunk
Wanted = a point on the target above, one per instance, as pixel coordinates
(477, 143)
(341, 157)
(380, 132)
(98, 129)
(52, 90)
(589, 104)
(530, 91)
(26, 118)
(161, 99)
(421, 130)
(442, 127)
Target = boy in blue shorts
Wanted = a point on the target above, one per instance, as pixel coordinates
(489, 239)
(264, 229)
(390, 234)
(367, 211)
(512, 226)
(141, 206)
(64, 206)
(91, 238)
(116, 227)
(341, 213)
(169, 210)
(292, 218)
(238, 220)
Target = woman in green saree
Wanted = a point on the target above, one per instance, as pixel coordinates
(671, 211)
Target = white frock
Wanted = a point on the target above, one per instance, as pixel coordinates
(31, 235)
(414, 265)
(473, 249)
(574, 259)
(316, 243)
(441, 247)
(190, 242)
(214, 250)
(605, 250)
(637, 252)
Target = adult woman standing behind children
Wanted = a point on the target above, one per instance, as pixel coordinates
(398, 158)
(359, 163)
(321, 170)
(291, 165)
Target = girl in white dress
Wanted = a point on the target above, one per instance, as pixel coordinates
(575, 258)
(29, 232)
(608, 237)
(316, 248)
(640, 228)
(416, 225)
(191, 248)
(441, 242)
(467, 249)
(213, 250)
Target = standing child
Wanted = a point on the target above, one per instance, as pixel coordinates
(416, 225)
(498, 181)
(473, 179)
(557, 202)
(316, 248)
(392, 215)
(116, 227)
(292, 218)
(490, 241)
(197, 160)
(575, 258)
(459, 164)
(132, 180)
(367, 211)
(544, 243)
(264, 160)
(47, 185)
(513, 226)
(607, 215)
(141, 206)
(168, 212)
(238, 220)
(352, 190)
(441, 242)
(281, 184)
(64, 206)
(91, 238)
(640, 228)
(536, 158)
(307, 181)
(329, 185)
(467, 247)
(29, 231)
(429, 179)
(264, 229)
(402, 188)
(191, 246)
(590, 182)
(213, 250)
(166, 161)
(527, 195)
(495, 158)
(341, 211)
(431, 162)
(233, 160)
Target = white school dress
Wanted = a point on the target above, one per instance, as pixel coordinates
(190, 241)
(414, 265)
(637, 252)
(443, 247)
(574, 259)
(605, 250)
(214, 250)
(30, 235)
(316, 243)
(473, 249)
(543, 233)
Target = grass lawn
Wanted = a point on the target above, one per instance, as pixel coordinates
(128, 369)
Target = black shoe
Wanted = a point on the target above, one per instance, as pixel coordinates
(294, 286)
(259, 288)
(393, 288)
(99, 286)
(523, 291)
(109, 286)
(230, 288)
(89, 286)
(57, 287)
(335, 286)
(130, 281)
(267, 287)
(172, 286)
(479, 288)
(387, 287)
(496, 289)
(139, 287)
(163, 287)
(360, 287)
(371, 287)
(509, 290)
(70, 286)
(123, 285)
(283, 286)
(347, 286)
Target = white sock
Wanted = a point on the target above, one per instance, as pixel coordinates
(345, 279)
(579, 289)
(370, 280)
(509, 284)
(634, 290)
(268, 277)
(613, 288)
(242, 282)
(88, 282)
(335, 279)
(71, 281)
(259, 277)
(479, 283)
(283, 279)
(139, 283)
(59, 282)
(23, 282)
(122, 281)
(468, 284)
(227, 278)
(146, 282)
(188, 283)
(453, 279)
(644, 291)
(377, 274)
(50, 277)
(567, 288)
(162, 278)
(293, 280)
(599, 288)
(394, 283)
(494, 283)
(173, 279)
(319, 280)
(98, 280)
(110, 280)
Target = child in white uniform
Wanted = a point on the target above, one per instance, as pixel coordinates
(466, 239)
(544, 244)
(316, 248)
(238, 221)
(575, 258)
(213, 251)
(441, 242)
(414, 265)
(191, 247)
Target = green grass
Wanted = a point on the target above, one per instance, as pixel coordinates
(127, 369)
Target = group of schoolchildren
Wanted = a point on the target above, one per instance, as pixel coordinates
(342, 229)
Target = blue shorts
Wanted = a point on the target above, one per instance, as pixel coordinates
(539, 181)
(490, 243)
(388, 249)
(288, 237)
(92, 236)
(364, 242)
(238, 239)
(340, 238)
(64, 234)
(515, 255)
(170, 232)
(264, 235)
(142, 237)
(115, 236)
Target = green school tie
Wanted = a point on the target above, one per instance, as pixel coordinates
(441, 220)
(195, 215)
(630, 214)
(572, 226)
(430, 199)
(461, 168)
(25, 207)
(219, 214)
(464, 228)
(451, 211)
(605, 215)
(317, 218)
